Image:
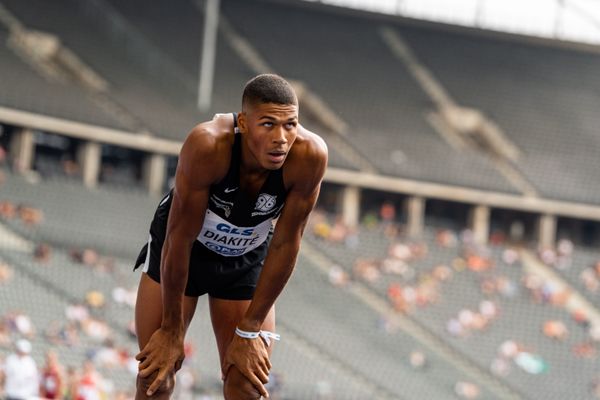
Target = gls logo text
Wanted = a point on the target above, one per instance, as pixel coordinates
(234, 231)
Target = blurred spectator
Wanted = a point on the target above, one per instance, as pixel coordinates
(20, 324)
(322, 229)
(7, 209)
(531, 363)
(89, 383)
(95, 299)
(488, 309)
(589, 279)
(393, 266)
(71, 384)
(477, 262)
(400, 251)
(338, 231)
(21, 373)
(5, 340)
(497, 238)
(337, 276)
(96, 329)
(446, 238)
(580, 317)
(88, 257)
(585, 350)
(369, 220)
(554, 329)
(455, 328)
(442, 273)
(387, 212)
(510, 256)
(467, 390)
(51, 384)
(124, 296)
(29, 215)
(42, 253)
(107, 356)
(76, 312)
(70, 167)
(366, 270)
(6, 273)
(417, 360)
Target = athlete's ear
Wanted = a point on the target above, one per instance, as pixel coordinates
(242, 122)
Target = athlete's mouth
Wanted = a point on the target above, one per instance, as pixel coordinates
(277, 156)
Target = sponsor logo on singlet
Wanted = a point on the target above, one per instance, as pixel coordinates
(218, 202)
(265, 204)
(230, 240)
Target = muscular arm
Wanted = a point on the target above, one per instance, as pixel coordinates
(285, 245)
(201, 163)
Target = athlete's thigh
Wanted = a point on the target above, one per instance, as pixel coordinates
(225, 316)
(148, 309)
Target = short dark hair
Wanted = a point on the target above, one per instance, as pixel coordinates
(268, 88)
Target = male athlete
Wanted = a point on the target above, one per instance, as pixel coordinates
(213, 233)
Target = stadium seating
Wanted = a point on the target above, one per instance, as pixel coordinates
(520, 318)
(24, 89)
(545, 98)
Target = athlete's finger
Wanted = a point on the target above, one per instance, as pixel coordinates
(269, 365)
(264, 377)
(258, 385)
(142, 354)
(160, 378)
(146, 372)
(144, 363)
(263, 368)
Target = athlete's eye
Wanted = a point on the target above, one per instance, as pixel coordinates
(267, 124)
(290, 125)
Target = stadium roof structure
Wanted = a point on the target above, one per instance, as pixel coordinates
(565, 20)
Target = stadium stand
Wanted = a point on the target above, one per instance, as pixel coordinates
(436, 302)
(310, 286)
(544, 97)
(24, 89)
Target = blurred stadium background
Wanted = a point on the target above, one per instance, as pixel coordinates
(454, 250)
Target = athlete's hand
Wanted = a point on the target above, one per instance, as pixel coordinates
(250, 356)
(163, 352)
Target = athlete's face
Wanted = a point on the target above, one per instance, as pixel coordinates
(269, 130)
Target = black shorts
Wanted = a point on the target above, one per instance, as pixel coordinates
(232, 278)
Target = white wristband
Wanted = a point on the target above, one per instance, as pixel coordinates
(265, 335)
(245, 334)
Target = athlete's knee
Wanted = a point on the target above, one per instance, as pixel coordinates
(164, 391)
(238, 387)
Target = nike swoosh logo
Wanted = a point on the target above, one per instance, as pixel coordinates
(228, 190)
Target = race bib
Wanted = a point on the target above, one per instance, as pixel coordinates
(230, 240)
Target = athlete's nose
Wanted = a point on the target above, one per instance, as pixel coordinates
(279, 136)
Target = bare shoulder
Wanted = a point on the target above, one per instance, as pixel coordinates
(207, 148)
(308, 147)
(307, 160)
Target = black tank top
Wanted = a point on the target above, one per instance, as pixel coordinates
(235, 222)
